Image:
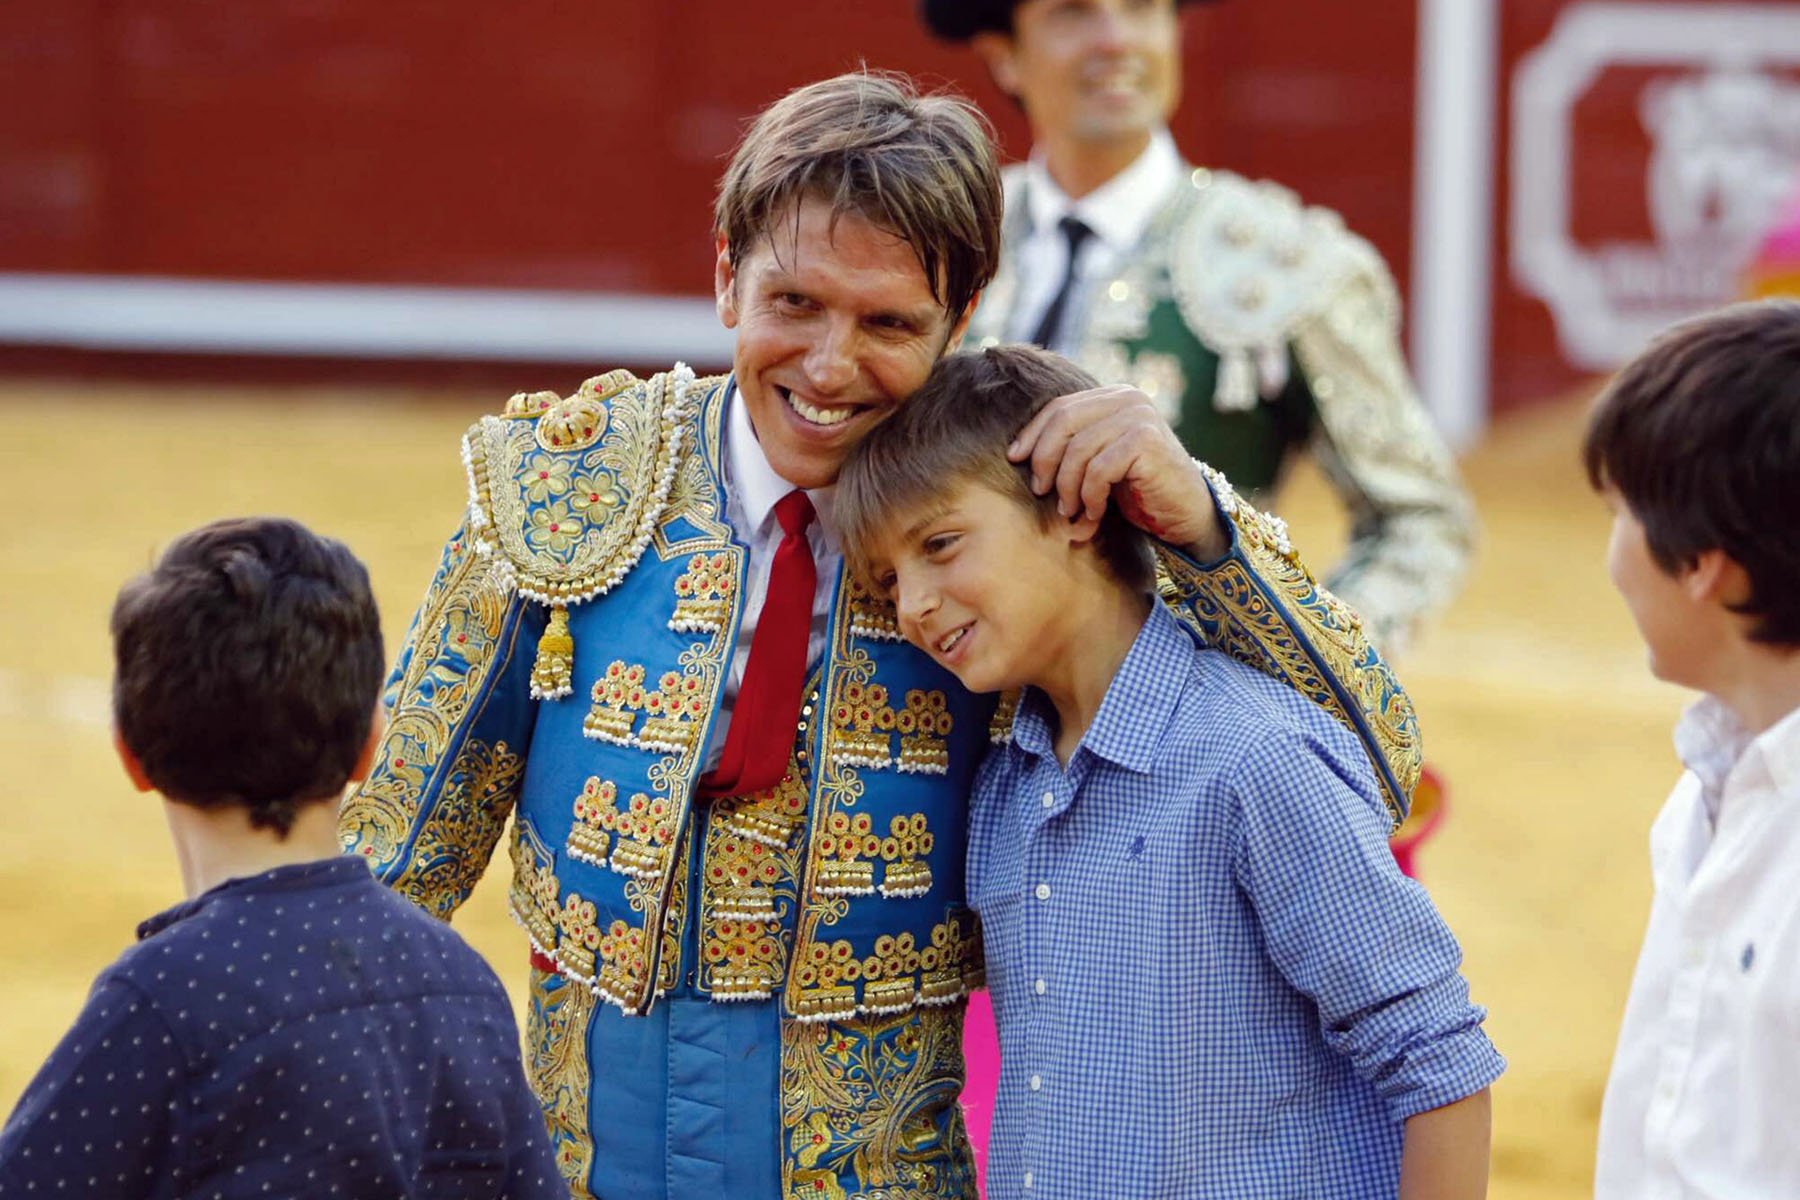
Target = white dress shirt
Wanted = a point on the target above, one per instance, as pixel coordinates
(752, 489)
(1118, 211)
(1704, 1099)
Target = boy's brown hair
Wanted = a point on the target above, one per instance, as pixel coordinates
(1700, 436)
(246, 666)
(955, 430)
(922, 167)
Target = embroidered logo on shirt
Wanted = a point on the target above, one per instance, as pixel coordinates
(1749, 956)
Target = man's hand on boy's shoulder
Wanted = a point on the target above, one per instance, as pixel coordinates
(1111, 443)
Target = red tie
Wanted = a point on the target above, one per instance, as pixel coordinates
(767, 713)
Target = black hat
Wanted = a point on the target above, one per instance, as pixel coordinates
(960, 20)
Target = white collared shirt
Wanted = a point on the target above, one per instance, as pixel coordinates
(1704, 1099)
(1118, 211)
(752, 489)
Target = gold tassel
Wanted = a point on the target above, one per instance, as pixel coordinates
(552, 674)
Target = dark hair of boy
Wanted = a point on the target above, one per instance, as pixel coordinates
(955, 430)
(246, 667)
(1700, 436)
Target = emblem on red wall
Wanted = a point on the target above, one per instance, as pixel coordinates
(1654, 148)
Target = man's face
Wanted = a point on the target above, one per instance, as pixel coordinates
(835, 327)
(1674, 623)
(979, 584)
(1098, 72)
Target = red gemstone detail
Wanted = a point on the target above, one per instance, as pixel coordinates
(543, 474)
(554, 528)
(399, 762)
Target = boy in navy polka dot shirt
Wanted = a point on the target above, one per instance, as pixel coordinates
(293, 1028)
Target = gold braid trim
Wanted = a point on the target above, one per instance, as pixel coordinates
(1257, 613)
(459, 636)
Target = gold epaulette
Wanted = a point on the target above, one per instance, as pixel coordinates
(565, 493)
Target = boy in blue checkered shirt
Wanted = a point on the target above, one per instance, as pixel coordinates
(1209, 977)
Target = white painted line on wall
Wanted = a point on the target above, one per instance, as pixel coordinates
(115, 312)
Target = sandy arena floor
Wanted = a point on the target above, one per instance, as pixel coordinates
(1532, 693)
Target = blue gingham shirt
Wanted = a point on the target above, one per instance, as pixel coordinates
(1209, 976)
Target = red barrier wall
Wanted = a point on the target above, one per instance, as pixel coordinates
(549, 144)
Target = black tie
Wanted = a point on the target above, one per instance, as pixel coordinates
(1077, 232)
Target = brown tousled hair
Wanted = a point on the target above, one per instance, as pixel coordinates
(954, 431)
(922, 167)
(1700, 436)
(246, 666)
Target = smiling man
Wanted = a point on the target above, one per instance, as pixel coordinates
(738, 798)
(1261, 329)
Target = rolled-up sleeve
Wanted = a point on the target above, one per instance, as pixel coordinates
(1348, 930)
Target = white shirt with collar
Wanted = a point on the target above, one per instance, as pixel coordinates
(1119, 211)
(752, 489)
(1704, 1099)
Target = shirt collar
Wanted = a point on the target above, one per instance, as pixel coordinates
(1127, 729)
(1120, 209)
(329, 872)
(1712, 742)
(754, 483)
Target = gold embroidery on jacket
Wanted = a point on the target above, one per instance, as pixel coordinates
(1227, 605)
(703, 594)
(614, 962)
(673, 713)
(896, 976)
(868, 1108)
(556, 1029)
(904, 851)
(825, 980)
(645, 838)
(569, 492)
(1000, 725)
(864, 729)
(844, 855)
(457, 639)
(749, 888)
(750, 878)
(870, 616)
(452, 849)
(635, 841)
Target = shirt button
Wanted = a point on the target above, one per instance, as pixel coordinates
(1049, 799)
(1043, 891)
(1037, 1083)
(1028, 1179)
(1040, 987)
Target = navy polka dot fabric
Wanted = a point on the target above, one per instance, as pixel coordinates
(304, 1032)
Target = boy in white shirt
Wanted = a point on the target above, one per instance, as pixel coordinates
(1696, 447)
